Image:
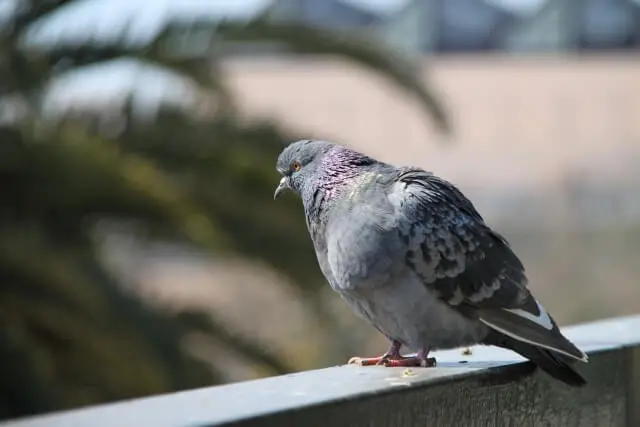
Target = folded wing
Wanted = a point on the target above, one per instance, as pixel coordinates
(468, 265)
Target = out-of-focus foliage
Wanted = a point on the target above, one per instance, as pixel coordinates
(70, 333)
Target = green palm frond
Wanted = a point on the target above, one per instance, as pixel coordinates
(170, 49)
(358, 50)
(56, 278)
(207, 79)
(25, 70)
(303, 39)
(114, 183)
(69, 321)
(27, 15)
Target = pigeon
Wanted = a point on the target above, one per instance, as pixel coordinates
(409, 253)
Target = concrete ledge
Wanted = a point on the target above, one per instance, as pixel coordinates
(490, 387)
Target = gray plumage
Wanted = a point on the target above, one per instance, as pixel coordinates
(410, 253)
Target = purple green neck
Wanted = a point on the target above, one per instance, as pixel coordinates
(339, 166)
(339, 169)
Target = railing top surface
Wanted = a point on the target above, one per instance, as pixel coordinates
(240, 401)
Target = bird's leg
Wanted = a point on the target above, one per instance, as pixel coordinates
(421, 359)
(392, 354)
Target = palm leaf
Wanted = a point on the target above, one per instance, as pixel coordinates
(347, 46)
(114, 183)
(203, 65)
(27, 15)
(206, 79)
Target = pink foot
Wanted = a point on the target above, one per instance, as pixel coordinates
(369, 361)
(392, 354)
(393, 359)
(410, 362)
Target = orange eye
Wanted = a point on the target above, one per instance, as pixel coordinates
(296, 166)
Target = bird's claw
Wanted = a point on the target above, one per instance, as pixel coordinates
(356, 361)
(390, 362)
(369, 361)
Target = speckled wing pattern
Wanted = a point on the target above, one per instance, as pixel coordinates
(468, 265)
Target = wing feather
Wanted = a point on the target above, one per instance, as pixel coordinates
(467, 264)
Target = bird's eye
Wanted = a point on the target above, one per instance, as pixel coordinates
(296, 166)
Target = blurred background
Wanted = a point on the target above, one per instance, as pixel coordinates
(140, 249)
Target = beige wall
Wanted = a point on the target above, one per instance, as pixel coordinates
(519, 121)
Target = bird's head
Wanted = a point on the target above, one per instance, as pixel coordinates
(299, 163)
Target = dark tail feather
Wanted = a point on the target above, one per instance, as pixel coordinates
(555, 364)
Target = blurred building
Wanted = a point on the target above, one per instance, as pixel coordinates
(578, 25)
(453, 26)
(414, 26)
(327, 13)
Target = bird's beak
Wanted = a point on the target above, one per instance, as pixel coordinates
(284, 185)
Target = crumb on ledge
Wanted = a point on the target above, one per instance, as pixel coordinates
(408, 373)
